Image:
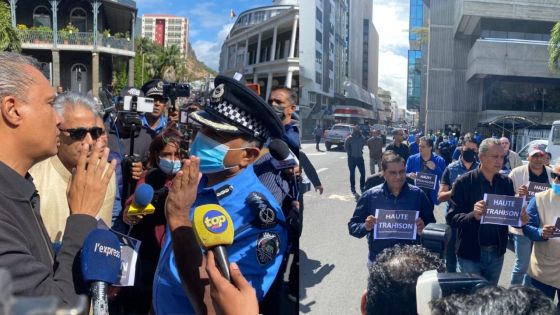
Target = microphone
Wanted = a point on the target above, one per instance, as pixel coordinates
(283, 157)
(141, 202)
(105, 97)
(213, 228)
(101, 265)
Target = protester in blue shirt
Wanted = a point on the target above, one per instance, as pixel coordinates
(414, 146)
(235, 125)
(394, 194)
(426, 162)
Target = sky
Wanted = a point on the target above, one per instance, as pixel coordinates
(210, 23)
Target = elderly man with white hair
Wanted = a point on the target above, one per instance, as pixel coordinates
(511, 159)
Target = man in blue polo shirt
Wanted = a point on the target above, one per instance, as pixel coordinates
(235, 125)
(394, 194)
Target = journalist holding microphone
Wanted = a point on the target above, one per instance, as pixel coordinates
(29, 129)
(226, 205)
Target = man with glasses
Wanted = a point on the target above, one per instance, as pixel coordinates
(52, 175)
(542, 229)
(480, 248)
(534, 172)
(155, 121)
(394, 194)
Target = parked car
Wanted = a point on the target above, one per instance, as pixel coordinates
(554, 141)
(337, 135)
(524, 152)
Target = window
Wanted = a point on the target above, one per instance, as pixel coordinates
(42, 16)
(319, 15)
(318, 77)
(318, 57)
(78, 18)
(319, 36)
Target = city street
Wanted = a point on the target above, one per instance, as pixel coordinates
(333, 272)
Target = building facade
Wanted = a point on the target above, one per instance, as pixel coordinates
(263, 46)
(416, 38)
(487, 61)
(78, 43)
(167, 30)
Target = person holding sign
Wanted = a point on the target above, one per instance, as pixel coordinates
(421, 165)
(466, 162)
(543, 211)
(395, 194)
(480, 248)
(528, 180)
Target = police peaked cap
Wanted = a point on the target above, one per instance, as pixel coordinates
(236, 109)
(153, 88)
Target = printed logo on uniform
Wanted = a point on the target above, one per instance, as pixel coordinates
(215, 221)
(268, 247)
(218, 93)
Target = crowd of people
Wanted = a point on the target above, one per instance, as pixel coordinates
(467, 169)
(68, 168)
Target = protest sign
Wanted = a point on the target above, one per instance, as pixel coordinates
(502, 210)
(426, 180)
(129, 255)
(534, 188)
(395, 224)
(556, 227)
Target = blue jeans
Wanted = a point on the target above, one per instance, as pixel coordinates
(490, 265)
(546, 289)
(522, 246)
(450, 256)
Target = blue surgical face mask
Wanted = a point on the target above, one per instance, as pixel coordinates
(211, 154)
(169, 167)
(556, 189)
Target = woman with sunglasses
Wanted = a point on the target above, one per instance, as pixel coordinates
(164, 162)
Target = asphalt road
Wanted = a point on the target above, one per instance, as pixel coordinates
(333, 271)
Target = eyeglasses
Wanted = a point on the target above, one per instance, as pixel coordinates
(80, 133)
(554, 175)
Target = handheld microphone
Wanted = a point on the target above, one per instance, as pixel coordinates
(283, 157)
(101, 265)
(141, 202)
(213, 228)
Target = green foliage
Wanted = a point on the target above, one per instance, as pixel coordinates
(120, 74)
(67, 31)
(554, 48)
(9, 39)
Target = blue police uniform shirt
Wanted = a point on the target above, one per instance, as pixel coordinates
(257, 251)
(154, 131)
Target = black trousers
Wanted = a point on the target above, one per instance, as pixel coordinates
(358, 162)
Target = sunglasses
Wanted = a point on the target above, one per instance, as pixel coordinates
(554, 175)
(80, 133)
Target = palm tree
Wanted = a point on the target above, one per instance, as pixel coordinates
(9, 39)
(554, 48)
(165, 63)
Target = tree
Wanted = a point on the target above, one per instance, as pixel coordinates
(9, 39)
(554, 48)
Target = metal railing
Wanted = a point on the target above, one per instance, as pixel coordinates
(77, 38)
(35, 37)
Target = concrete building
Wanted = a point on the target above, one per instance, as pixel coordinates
(167, 30)
(487, 63)
(263, 46)
(328, 88)
(77, 42)
(384, 107)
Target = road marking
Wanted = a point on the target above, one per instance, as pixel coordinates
(342, 197)
(342, 157)
(315, 154)
(322, 170)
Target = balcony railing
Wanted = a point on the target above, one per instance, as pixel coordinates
(78, 38)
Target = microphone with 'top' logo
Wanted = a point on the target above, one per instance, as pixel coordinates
(213, 228)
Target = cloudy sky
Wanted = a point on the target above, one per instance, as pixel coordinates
(210, 23)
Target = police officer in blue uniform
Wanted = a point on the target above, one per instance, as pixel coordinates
(235, 125)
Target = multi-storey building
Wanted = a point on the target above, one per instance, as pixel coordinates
(77, 42)
(384, 108)
(488, 63)
(263, 46)
(416, 39)
(167, 30)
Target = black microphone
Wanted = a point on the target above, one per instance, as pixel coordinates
(106, 100)
(101, 265)
(283, 157)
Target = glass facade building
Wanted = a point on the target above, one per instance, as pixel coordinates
(414, 82)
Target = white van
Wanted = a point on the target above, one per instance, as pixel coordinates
(554, 142)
